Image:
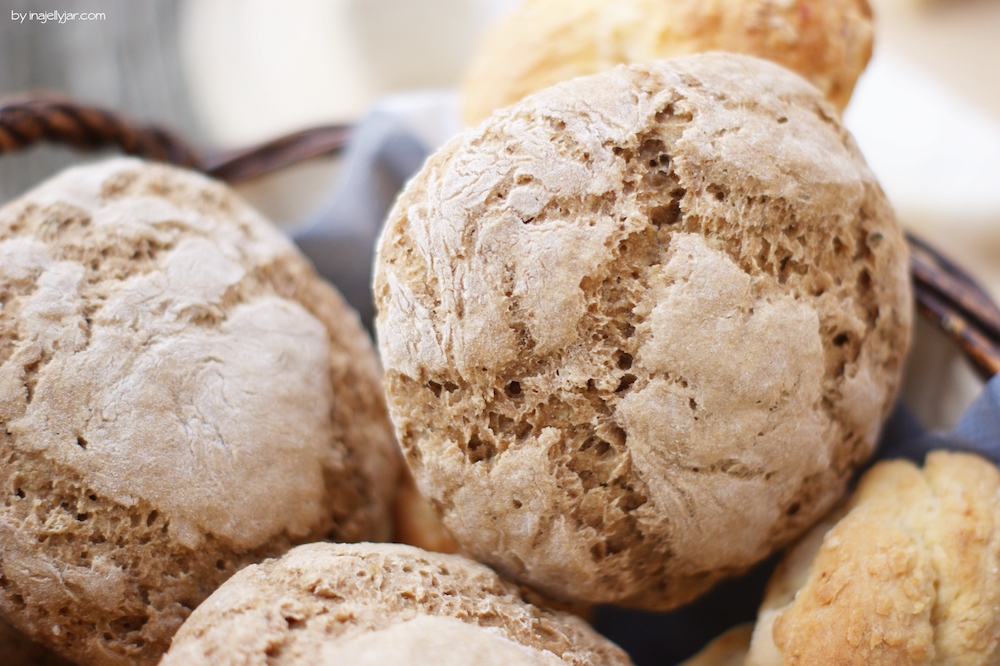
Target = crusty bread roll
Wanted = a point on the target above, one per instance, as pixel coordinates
(544, 42)
(380, 605)
(908, 572)
(181, 396)
(640, 328)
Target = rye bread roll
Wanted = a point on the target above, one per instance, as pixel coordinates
(380, 605)
(180, 396)
(640, 328)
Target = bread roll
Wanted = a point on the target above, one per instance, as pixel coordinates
(908, 572)
(380, 605)
(544, 42)
(181, 396)
(640, 328)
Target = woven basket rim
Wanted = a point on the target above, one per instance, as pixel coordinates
(945, 293)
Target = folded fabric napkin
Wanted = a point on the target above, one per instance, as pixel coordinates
(385, 149)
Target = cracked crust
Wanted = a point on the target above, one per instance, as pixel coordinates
(543, 42)
(640, 329)
(380, 604)
(180, 395)
(908, 572)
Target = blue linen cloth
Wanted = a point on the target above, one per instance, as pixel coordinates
(340, 240)
(384, 152)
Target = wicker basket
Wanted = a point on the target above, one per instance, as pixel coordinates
(946, 295)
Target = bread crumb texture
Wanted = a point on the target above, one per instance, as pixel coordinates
(380, 604)
(180, 396)
(543, 42)
(640, 328)
(911, 574)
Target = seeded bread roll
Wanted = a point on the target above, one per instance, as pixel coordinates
(181, 396)
(908, 572)
(544, 42)
(640, 328)
(380, 604)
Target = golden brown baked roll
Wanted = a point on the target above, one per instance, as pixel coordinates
(181, 396)
(640, 328)
(908, 572)
(544, 42)
(380, 605)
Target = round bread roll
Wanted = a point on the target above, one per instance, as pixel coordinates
(181, 396)
(544, 42)
(380, 605)
(640, 328)
(908, 572)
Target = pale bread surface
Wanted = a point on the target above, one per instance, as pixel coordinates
(384, 604)
(181, 395)
(640, 328)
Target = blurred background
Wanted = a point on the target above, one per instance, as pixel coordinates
(228, 73)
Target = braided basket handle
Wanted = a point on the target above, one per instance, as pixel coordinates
(945, 293)
(952, 299)
(29, 119)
